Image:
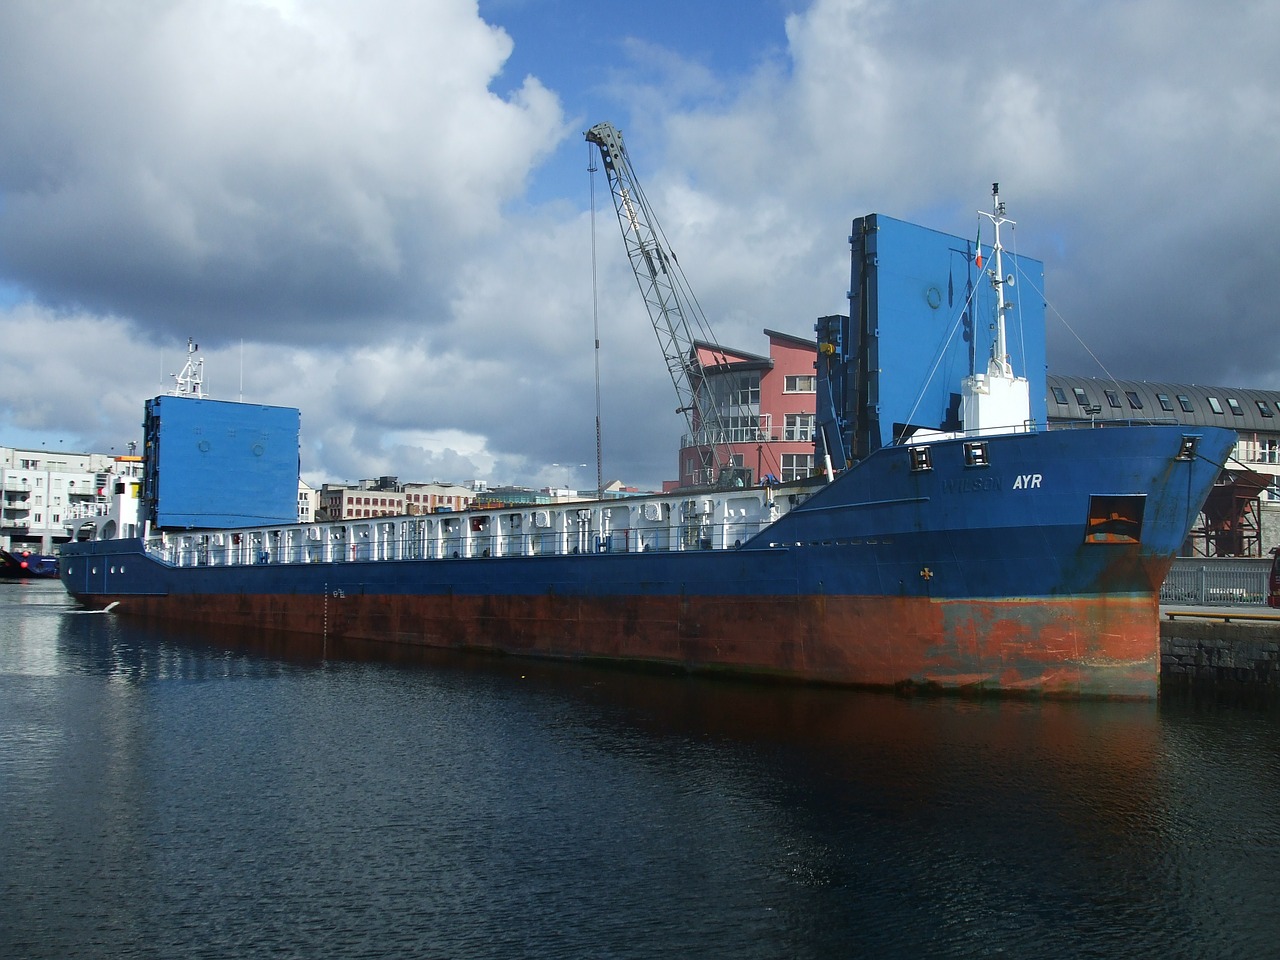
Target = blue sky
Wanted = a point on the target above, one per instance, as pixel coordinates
(387, 203)
(603, 58)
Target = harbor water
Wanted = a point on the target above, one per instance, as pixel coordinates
(166, 795)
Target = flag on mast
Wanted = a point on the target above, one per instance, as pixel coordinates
(977, 259)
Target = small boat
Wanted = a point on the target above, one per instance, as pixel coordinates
(26, 565)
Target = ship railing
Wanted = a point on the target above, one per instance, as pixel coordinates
(87, 510)
(1090, 423)
(191, 551)
(719, 521)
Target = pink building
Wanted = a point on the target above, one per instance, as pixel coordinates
(766, 407)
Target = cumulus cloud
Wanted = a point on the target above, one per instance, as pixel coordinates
(1135, 143)
(280, 170)
(335, 200)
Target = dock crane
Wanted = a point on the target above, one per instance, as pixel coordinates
(670, 303)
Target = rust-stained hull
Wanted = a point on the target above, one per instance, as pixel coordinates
(1102, 647)
(1038, 575)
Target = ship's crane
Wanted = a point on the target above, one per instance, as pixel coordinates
(667, 296)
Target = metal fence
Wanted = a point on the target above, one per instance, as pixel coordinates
(1211, 581)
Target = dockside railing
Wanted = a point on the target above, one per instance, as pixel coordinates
(1216, 581)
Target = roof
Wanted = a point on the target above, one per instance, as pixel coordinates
(1189, 403)
(808, 343)
(729, 355)
(731, 359)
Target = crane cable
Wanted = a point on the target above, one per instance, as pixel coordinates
(595, 319)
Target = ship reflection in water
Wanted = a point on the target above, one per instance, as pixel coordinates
(167, 795)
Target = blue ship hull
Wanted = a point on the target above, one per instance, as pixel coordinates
(1031, 563)
(27, 566)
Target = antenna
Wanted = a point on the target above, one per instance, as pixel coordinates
(996, 401)
(190, 382)
(998, 365)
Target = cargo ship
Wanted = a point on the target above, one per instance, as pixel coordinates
(967, 548)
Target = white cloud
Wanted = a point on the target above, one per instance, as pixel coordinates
(339, 187)
(259, 171)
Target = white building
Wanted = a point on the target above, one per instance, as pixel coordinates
(308, 501)
(43, 489)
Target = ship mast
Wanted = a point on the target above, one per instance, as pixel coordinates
(190, 382)
(999, 365)
(996, 401)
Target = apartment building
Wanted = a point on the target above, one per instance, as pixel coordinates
(44, 489)
(766, 406)
(386, 497)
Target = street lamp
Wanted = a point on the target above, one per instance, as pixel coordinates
(568, 474)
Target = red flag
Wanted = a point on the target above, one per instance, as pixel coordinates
(977, 259)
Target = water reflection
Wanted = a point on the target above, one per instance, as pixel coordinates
(166, 793)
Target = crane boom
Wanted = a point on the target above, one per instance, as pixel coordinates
(666, 294)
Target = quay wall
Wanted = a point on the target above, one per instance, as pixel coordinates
(1235, 653)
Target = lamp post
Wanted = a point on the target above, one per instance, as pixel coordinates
(568, 475)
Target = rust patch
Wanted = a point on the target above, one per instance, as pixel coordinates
(1091, 647)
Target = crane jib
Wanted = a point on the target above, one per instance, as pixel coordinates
(667, 298)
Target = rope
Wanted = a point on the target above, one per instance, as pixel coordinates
(595, 318)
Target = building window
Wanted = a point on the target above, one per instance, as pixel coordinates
(1082, 398)
(1165, 402)
(798, 426)
(1059, 395)
(1264, 409)
(800, 383)
(796, 466)
(1234, 404)
(1215, 406)
(1185, 402)
(1112, 398)
(1135, 401)
(1268, 451)
(735, 391)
